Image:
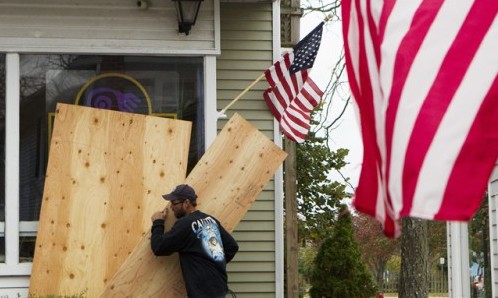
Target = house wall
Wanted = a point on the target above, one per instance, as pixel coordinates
(458, 260)
(95, 26)
(246, 52)
(458, 247)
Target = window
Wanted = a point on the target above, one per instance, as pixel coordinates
(161, 86)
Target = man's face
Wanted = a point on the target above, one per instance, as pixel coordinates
(178, 208)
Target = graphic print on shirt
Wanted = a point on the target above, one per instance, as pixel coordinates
(209, 234)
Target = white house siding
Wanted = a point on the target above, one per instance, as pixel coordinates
(449, 260)
(460, 246)
(246, 51)
(95, 26)
(493, 229)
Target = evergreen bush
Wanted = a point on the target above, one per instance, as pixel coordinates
(339, 268)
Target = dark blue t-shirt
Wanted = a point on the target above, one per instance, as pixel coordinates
(204, 247)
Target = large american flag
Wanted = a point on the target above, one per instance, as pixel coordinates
(424, 77)
(292, 94)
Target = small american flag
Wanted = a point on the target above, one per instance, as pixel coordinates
(424, 77)
(292, 94)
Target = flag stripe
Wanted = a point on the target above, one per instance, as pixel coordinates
(486, 118)
(386, 11)
(271, 102)
(447, 145)
(372, 61)
(368, 133)
(294, 116)
(370, 182)
(452, 71)
(288, 81)
(408, 50)
(418, 83)
(423, 74)
(373, 34)
(292, 132)
(274, 76)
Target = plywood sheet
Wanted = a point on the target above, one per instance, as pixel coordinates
(227, 179)
(106, 173)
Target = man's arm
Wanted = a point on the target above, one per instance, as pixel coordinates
(164, 244)
(230, 246)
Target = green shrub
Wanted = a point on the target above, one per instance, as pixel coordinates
(339, 269)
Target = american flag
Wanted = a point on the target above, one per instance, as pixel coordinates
(424, 77)
(292, 94)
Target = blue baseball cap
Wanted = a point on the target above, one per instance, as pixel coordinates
(181, 192)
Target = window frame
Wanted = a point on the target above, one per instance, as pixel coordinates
(13, 228)
(12, 225)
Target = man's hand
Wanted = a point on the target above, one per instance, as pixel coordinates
(160, 215)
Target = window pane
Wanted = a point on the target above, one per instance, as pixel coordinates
(161, 86)
(2, 158)
(26, 248)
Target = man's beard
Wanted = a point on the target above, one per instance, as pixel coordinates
(179, 213)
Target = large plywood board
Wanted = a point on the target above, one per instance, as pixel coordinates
(227, 179)
(106, 173)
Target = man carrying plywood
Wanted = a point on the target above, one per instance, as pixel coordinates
(227, 179)
(203, 244)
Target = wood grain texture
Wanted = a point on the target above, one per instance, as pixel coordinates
(227, 179)
(106, 173)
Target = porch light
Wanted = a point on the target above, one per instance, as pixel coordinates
(187, 11)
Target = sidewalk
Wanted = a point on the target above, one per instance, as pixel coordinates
(396, 296)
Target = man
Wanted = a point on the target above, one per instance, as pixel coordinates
(203, 244)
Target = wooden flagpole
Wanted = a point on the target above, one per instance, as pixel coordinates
(222, 112)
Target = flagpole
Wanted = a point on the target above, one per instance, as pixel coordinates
(327, 18)
(222, 112)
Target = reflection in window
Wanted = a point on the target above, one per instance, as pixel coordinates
(162, 86)
(2, 158)
(26, 248)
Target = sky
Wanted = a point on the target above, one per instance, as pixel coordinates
(347, 134)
